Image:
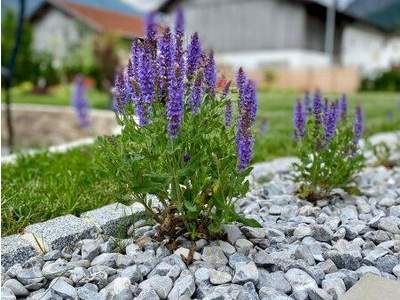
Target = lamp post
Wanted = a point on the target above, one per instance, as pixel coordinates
(10, 72)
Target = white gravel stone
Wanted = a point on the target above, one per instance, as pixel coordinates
(214, 256)
(300, 280)
(218, 277)
(246, 272)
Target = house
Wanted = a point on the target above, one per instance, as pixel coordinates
(287, 36)
(373, 44)
(59, 26)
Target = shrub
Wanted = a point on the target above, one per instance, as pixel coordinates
(178, 140)
(327, 146)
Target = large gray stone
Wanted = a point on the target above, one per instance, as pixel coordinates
(372, 287)
(15, 249)
(60, 232)
(112, 218)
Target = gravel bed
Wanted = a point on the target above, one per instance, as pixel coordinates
(304, 251)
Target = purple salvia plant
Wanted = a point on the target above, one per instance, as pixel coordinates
(244, 138)
(196, 93)
(299, 120)
(179, 23)
(331, 122)
(80, 102)
(317, 108)
(146, 83)
(358, 124)
(165, 60)
(210, 75)
(120, 93)
(175, 104)
(343, 107)
(151, 26)
(194, 53)
(228, 104)
(241, 83)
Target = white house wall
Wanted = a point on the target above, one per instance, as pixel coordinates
(274, 58)
(56, 33)
(369, 49)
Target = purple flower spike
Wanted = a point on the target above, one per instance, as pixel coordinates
(193, 56)
(241, 84)
(175, 103)
(80, 102)
(331, 121)
(165, 60)
(196, 94)
(119, 92)
(146, 83)
(244, 138)
(317, 108)
(179, 22)
(343, 107)
(151, 26)
(228, 105)
(299, 120)
(210, 75)
(358, 125)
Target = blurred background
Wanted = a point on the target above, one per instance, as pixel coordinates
(287, 46)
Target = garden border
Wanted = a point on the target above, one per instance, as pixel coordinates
(66, 230)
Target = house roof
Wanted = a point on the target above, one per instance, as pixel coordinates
(101, 20)
(383, 13)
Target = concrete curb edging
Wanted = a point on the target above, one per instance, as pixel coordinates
(65, 231)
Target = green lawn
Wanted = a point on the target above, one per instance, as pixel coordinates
(60, 95)
(48, 185)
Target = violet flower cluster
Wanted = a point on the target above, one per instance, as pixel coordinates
(80, 102)
(327, 115)
(160, 70)
(247, 116)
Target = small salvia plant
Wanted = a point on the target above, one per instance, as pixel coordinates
(327, 146)
(80, 103)
(182, 140)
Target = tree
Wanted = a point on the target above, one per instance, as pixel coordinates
(24, 63)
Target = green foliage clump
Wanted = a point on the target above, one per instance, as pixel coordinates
(194, 176)
(328, 161)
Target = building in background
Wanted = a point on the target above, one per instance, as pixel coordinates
(285, 40)
(372, 44)
(60, 26)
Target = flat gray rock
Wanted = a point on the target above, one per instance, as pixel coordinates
(15, 249)
(372, 287)
(60, 232)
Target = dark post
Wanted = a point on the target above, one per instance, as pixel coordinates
(10, 73)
